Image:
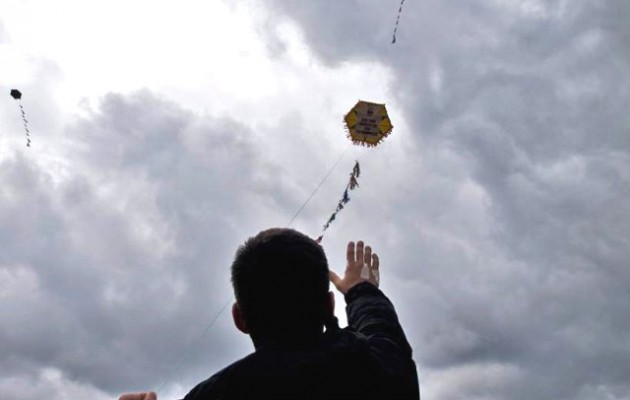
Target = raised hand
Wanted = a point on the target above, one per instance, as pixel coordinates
(362, 265)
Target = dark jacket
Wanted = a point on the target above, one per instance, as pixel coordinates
(370, 359)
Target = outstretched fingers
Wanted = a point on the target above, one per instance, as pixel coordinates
(367, 257)
(374, 269)
(350, 253)
(359, 253)
(362, 266)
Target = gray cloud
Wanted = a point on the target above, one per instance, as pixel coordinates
(516, 212)
(121, 259)
(497, 207)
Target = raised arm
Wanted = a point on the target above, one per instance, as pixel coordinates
(371, 314)
(369, 311)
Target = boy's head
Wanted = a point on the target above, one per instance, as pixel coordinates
(281, 284)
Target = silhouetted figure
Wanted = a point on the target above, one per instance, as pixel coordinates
(281, 284)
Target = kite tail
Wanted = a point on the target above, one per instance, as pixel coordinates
(397, 20)
(28, 133)
(352, 184)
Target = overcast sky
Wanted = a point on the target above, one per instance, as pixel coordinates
(165, 133)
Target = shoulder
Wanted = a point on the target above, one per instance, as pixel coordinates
(217, 384)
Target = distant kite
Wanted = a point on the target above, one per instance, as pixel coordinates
(17, 95)
(397, 20)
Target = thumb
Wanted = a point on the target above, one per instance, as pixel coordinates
(335, 279)
(151, 396)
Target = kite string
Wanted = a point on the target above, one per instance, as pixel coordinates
(397, 20)
(193, 346)
(319, 185)
(214, 319)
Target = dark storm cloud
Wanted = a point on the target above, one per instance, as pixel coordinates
(517, 212)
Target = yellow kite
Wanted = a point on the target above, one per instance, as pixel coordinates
(368, 123)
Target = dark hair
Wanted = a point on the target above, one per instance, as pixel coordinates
(281, 283)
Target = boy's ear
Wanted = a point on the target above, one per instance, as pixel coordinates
(239, 320)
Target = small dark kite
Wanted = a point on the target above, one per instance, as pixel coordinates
(17, 95)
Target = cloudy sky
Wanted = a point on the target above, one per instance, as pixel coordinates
(165, 133)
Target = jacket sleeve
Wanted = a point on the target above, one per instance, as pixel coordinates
(372, 314)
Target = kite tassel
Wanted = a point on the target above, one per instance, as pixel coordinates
(397, 21)
(356, 171)
(352, 184)
(17, 96)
